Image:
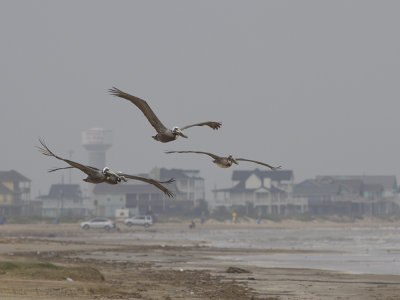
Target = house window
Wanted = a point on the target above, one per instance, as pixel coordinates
(261, 196)
(156, 196)
(130, 203)
(144, 197)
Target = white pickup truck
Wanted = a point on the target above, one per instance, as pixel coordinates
(145, 221)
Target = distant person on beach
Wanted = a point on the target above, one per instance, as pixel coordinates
(192, 225)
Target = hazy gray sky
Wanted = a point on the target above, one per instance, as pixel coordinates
(313, 86)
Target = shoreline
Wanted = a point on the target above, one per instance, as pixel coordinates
(158, 268)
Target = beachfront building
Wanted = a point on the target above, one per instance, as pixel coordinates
(143, 198)
(139, 198)
(65, 200)
(268, 192)
(373, 186)
(188, 185)
(15, 189)
(374, 195)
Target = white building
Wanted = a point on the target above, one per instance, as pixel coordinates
(267, 191)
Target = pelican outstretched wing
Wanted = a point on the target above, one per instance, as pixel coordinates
(213, 125)
(201, 152)
(143, 106)
(151, 181)
(259, 162)
(88, 170)
(62, 168)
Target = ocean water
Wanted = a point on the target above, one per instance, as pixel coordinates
(353, 249)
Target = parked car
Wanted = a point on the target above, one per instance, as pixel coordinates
(145, 221)
(104, 223)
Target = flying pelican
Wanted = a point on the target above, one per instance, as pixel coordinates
(95, 175)
(226, 162)
(164, 134)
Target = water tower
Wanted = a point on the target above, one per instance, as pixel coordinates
(97, 141)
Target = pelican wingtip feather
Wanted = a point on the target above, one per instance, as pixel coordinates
(216, 125)
(115, 91)
(44, 149)
(169, 194)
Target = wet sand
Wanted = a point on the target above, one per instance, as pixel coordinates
(159, 268)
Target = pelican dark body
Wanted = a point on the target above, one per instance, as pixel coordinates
(225, 162)
(164, 135)
(95, 175)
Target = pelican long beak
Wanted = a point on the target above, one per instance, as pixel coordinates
(230, 158)
(118, 174)
(178, 131)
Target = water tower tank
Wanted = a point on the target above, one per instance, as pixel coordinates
(97, 141)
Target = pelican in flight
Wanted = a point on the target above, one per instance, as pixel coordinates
(164, 134)
(95, 175)
(226, 162)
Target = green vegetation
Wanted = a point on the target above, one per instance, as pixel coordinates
(304, 217)
(48, 271)
(274, 218)
(38, 220)
(27, 220)
(221, 213)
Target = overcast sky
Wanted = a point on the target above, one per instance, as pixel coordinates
(313, 86)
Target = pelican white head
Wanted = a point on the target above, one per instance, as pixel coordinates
(106, 170)
(231, 159)
(176, 131)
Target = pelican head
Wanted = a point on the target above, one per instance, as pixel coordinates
(106, 170)
(232, 160)
(177, 131)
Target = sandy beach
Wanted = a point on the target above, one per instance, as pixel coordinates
(46, 261)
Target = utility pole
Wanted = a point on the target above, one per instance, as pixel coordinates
(61, 197)
(70, 158)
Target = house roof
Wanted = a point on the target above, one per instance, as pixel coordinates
(68, 191)
(118, 189)
(241, 187)
(178, 173)
(5, 190)
(13, 175)
(388, 182)
(313, 188)
(353, 186)
(277, 175)
(236, 188)
(373, 188)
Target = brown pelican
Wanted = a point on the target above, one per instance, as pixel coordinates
(225, 162)
(95, 175)
(164, 134)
